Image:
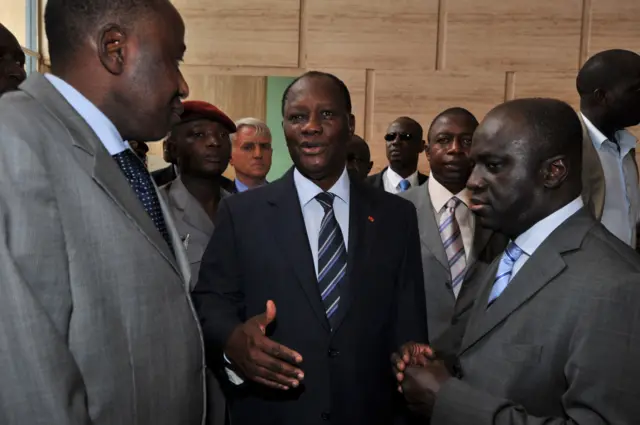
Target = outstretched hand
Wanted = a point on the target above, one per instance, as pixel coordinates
(410, 354)
(260, 359)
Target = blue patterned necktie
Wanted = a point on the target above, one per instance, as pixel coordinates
(453, 244)
(140, 181)
(505, 270)
(332, 258)
(404, 185)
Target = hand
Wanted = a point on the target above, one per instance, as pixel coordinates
(260, 359)
(422, 384)
(410, 354)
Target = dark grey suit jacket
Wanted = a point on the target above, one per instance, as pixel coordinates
(562, 342)
(375, 180)
(444, 311)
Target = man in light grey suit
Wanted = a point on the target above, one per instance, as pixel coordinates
(554, 336)
(455, 248)
(96, 325)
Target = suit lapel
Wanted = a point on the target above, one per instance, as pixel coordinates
(96, 161)
(290, 232)
(545, 264)
(362, 228)
(429, 229)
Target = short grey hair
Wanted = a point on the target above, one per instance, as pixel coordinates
(259, 126)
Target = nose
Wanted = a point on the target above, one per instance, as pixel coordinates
(257, 151)
(183, 87)
(213, 141)
(455, 147)
(475, 183)
(313, 125)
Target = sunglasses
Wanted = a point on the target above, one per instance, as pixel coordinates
(404, 137)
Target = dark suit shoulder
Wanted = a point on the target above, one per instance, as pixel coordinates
(612, 251)
(380, 197)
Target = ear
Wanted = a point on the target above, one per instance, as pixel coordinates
(352, 124)
(369, 167)
(600, 96)
(555, 171)
(112, 48)
(422, 146)
(427, 150)
(172, 149)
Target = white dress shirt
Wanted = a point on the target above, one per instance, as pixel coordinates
(313, 213)
(466, 220)
(531, 240)
(391, 180)
(621, 200)
(97, 121)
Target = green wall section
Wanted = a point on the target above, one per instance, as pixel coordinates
(281, 159)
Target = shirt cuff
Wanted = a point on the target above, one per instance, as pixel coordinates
(233, 377)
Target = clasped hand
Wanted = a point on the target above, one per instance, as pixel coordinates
(420, 374)
(260, 359)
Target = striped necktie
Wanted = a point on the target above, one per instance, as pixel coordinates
(453, 245)
(140, 181)
(505, 271)
(332, 258)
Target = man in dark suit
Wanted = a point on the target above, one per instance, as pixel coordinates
(455, 248)
(11, 61)
(358, 158)
(554, 336)
(339, 259)
(404, 144)
(167, 174)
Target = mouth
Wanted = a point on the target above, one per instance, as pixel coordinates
(454, 166)
(395, 155)
(312, 148)
(477, 204)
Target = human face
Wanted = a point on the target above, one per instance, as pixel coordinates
(148, 97)
(623, 100)
(358, 158)
(403, 144)
(12, 61)
(448, 149)
(317, 127)
(251, 155)
(506, 182)
(202, 147)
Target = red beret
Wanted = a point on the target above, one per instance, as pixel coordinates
(196, 110)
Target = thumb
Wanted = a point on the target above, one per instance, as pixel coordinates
(268, 316)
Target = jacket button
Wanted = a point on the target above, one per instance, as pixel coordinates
(333, 353)
(326, 416)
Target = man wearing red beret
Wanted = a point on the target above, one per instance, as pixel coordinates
(201, 146)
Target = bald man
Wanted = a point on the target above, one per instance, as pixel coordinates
(609, 88)
(11, 61)
(554, 334)
(404, 143)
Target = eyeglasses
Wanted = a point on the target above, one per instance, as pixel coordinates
(404, 137)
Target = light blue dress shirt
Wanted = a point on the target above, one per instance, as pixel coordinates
(313, 213)
(97, 121)
(241, 187)
(531, 240)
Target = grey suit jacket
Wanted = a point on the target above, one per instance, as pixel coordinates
(96, 325)
(444, 311)
(560, 345)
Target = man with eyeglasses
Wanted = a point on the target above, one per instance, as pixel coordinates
(404, 145)
(11, 61)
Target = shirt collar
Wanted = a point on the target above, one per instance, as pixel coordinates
(530, 240)
(440, 195)
(626, 140)
(241, 187)
(308, 190)
(395, 178)
(97, 121)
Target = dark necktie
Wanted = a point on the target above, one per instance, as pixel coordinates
(332, 258)
(140, 181)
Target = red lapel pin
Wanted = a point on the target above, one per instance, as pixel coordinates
(371, 219)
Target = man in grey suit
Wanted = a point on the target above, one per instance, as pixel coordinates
(554, 336)
(455, 248)
(96, 325)
(202, 148)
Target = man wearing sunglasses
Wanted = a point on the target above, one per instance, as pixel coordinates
(404, 144)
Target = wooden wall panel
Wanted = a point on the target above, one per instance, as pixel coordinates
(246, 33)
(513, 35)
(615, 25)
(423, 95)
(558, 85)
(13, 15)
(380, 34)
